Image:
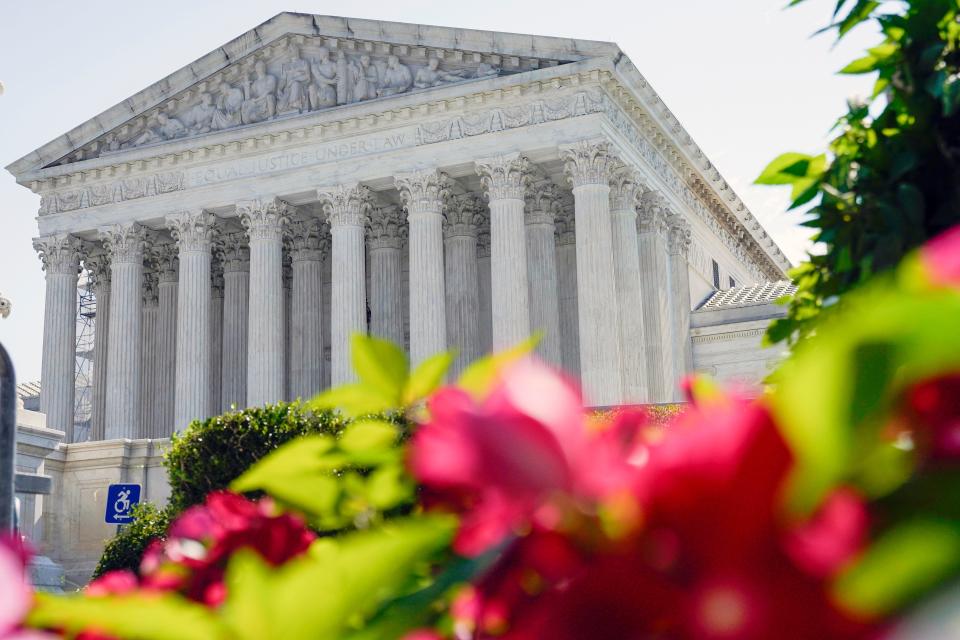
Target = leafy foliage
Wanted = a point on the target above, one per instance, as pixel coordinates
(125, 549)
(212, 453)
(891, 178)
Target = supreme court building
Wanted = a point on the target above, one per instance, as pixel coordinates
(443, 188)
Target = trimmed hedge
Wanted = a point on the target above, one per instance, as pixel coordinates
(211, 453)
(125, 549)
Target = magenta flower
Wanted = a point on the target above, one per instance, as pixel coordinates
(941, 258)
(16, 594)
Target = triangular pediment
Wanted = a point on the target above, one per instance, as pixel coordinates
(296, 64)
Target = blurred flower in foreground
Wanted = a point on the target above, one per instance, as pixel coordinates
(941, 258)
(16, 595)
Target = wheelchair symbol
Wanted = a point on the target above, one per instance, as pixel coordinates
(122, 504)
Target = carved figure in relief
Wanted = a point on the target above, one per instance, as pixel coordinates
(229, 103)
(260, 101)
(485, 69)
(165, 128)
(294, 93)
(396, 79)
(432, 76)
(323, 93)
(200, 116)
(366, 78)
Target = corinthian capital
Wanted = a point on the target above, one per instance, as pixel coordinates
(165, 260)
(543, 203)
(307, 239)
(423, 191)
(234, 252)
(60, 254)
(504, 177)
(654, 213)
(150, 291)
(679, 234)
(96, 261)
(483, 232)
(126, 242)
(386, 228)
(626, 188)
(565, 230)
(346, 204)
(463, 216)
(193, 230)
(588, 162)
(264, 218)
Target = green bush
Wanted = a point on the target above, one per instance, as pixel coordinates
(212, 453)
(126, 548)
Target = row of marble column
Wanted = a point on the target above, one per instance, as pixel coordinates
(605, 283)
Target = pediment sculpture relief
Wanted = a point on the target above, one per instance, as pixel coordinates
(299, 80)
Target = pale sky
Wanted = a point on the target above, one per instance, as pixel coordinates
(743, 76)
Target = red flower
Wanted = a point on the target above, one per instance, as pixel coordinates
(715, 558)
(934, 407)
(500, 460)
(199, 543)
(941, 258)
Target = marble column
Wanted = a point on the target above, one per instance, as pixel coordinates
(588, 165)
(504, 179)
(308, 244)
(60, 255)
(423, 194)
(264, 221)
(678, 240)
(567, 290)
(193, 231)
(347, 207)
(235, 257)
(285, 325)
(652, 227)
(385, 236)
(483, 282)
(625, 191)
(148, 353)
(97, 263)
(216, 337)
(165, 262)
(125, 243)
(462, 280)
(542, 203)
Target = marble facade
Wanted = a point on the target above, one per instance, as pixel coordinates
(443, 188)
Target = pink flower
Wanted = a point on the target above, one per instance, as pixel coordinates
(500, 460)
(933, 408)
(16, 594)
(941, 258)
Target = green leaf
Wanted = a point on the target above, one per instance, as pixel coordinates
(380, 364)
(858, 14)
(866, 64)
(479, 377)
(355, 400)
(906, 563)
(152, 616)
(428, 375)
(389, 486)
(366, 436)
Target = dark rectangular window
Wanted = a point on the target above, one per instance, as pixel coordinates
(733, 283)
(716, 275)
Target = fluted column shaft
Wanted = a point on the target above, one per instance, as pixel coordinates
(462, 281)
(347, 207)
(384, 241)
(125, 243)
(626, 259)
(236, 314)
(165, 260)
(423, 194)
(567, 292)
(308, 246)
(682, 349)
(264, 222)
(61, 261)
(654, 283)
(483, 283)
(505, 180)
(588, 167)
(542, 271)
(98, 266)
(148, 355)
(216, 342)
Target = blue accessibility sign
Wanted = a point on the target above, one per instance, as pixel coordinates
(120, 500)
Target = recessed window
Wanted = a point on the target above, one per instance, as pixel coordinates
(716, 275)
(733, 283)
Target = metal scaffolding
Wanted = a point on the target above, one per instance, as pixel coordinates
(83, 374)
